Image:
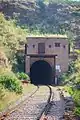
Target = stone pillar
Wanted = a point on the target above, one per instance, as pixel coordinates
(27, 64)
(54, 69)
(27, 61)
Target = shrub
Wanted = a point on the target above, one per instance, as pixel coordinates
(77, 111)
(22, 76)
(76, 97)
(73, 83)
(11, 82)
(63, 78)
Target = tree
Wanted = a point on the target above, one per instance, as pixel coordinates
(11, 37)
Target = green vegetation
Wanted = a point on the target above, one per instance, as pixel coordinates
(9, 97)
(11, 82)
(8, 80)
(72, 81)
(44, 16)
(35, 17)
(23, 76)
(12, 38)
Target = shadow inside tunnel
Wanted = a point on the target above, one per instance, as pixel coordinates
(41, 73)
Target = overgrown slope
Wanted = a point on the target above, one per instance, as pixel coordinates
(71, 79)
(11, 37)
(47, 16)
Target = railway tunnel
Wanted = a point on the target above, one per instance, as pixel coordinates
(41, 73)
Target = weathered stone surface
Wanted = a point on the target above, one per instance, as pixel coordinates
(3, 60)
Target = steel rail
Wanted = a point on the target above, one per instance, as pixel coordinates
(44, 110)
(7, 113)
(48, 105)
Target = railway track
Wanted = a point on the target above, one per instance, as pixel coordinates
(9, 111)
(33, 108)
(46, 103)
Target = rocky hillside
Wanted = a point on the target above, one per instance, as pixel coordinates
(44, 16)
(3, 59)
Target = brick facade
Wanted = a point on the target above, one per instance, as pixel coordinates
(54, 45)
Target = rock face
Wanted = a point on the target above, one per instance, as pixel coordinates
(51, 17)
(3, 60)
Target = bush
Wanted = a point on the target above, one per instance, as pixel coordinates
(77, 111)
(11, 82)
(63, 78)
(22, 76)
(76, 97)
(73, 83)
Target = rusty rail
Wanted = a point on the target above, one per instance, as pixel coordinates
(9, 111)
(47, 107)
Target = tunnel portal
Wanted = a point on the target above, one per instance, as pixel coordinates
(41, 73)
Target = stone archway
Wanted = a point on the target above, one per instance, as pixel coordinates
(41, 72)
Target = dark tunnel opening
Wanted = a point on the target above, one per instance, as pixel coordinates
(41, 73)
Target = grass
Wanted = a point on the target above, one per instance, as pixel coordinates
(11, 97)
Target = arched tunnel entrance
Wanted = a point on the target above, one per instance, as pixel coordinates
(41, 72)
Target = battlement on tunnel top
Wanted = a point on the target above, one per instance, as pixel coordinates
(45, 47)
(48, 36)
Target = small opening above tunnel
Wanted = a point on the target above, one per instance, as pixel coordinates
(41, 73)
